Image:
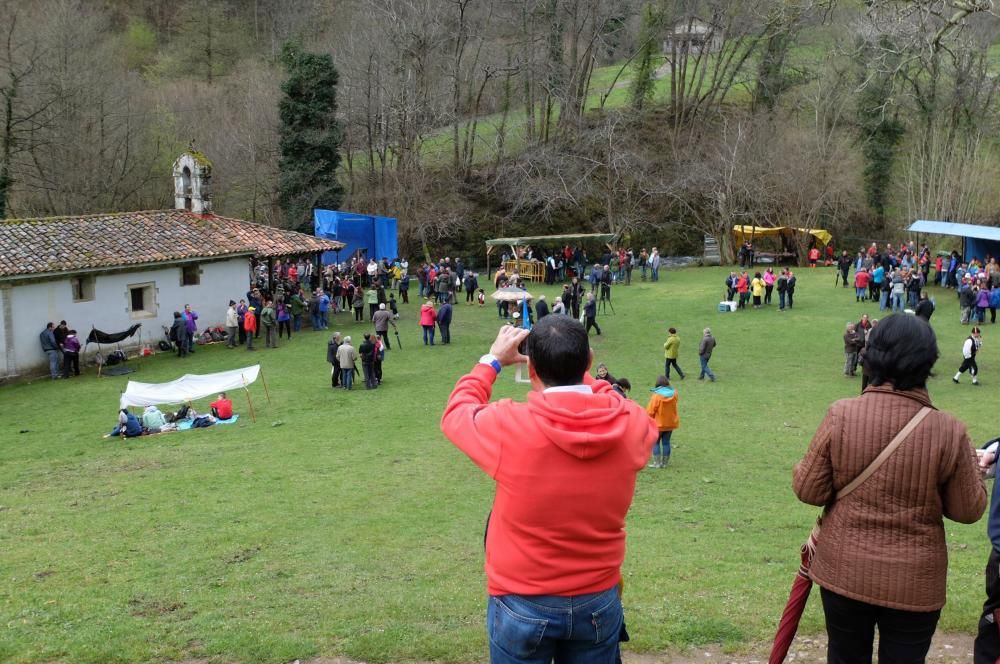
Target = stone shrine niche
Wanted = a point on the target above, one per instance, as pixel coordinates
(192, 183)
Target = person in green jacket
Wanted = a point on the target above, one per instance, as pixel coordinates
(270, 323)
(670, 350)
(371, 298)
(297, 306)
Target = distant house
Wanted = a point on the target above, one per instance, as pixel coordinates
(111, 271)
(693, 36)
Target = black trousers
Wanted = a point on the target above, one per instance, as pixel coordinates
(445, 332)
(71, 362)
(405, 294)
(987, 645)
(904, 637)
(385, 338)
(592, 322)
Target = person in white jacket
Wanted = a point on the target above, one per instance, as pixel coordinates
(969, 349)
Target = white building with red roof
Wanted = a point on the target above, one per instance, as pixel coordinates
(111, 271)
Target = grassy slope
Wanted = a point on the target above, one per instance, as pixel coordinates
(354, 528)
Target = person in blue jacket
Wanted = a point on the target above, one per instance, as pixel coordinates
(128, 425)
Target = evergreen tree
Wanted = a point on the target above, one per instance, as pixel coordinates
(881, 131)
(645, 62)
(310, 136)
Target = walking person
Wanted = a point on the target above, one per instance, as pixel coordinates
(671, 349)
(178, 333)
(705, 349)
(382, 320)
(889, 531)
(853, 342)
(662, 407)
(332, 346)
(970, 347)
(590, 311)
(444, 321)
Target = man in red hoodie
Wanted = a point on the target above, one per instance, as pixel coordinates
(564, 464)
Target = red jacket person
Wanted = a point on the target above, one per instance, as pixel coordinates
(564, 464)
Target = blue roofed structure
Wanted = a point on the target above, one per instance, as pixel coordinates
(977, 241)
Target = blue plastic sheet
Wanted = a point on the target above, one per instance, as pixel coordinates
(373, 236)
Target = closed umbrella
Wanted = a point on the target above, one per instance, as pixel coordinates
(511, 294)
(797, 599)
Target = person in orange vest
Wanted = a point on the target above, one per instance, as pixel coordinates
(250, 324)
(813, 256)
(662, 408)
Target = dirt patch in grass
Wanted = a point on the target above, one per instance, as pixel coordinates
(151, 607)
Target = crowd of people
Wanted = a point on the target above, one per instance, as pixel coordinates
(62, 350)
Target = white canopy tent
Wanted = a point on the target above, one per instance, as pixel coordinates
(192, 386)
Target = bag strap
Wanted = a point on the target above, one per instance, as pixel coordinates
(886, 453)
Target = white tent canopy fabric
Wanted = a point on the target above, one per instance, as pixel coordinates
(188, 387)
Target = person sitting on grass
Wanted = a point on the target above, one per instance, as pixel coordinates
(222, 408)
(128, 425)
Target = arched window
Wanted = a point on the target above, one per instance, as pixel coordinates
(186, 183)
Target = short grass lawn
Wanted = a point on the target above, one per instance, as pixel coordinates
(344, 524)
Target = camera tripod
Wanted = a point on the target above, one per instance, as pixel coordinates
(605, 301)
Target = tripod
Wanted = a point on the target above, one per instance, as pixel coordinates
(605, 301)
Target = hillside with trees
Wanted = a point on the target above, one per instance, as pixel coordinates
(662, 120)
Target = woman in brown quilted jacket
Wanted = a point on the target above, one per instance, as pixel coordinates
(881, 558)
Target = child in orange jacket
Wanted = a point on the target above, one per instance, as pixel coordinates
(663, 409)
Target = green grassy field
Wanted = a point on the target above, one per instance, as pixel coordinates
(344, 524)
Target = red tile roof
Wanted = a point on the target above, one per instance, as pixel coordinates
(71, 244)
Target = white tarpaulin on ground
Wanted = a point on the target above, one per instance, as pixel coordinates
(188, 387)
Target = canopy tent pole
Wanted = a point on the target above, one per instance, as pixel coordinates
(253, 415)
(266, 393)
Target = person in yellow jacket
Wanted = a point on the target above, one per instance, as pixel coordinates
(671, 348)
(662, 408)
(757, 287)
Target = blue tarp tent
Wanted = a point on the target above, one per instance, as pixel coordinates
(374, 236)
(977, 241)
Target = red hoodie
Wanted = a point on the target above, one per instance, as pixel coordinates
(565, 466)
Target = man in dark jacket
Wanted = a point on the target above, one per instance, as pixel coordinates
(331, 357)
(367, 352)
(790, 289)
(444, 321)
(705, 349)
(590, 311)
(844, 265)
(51, 349)
(178, 334)
(541, 308)
(925, 308)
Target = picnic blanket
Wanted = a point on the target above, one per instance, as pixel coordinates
(184, 425)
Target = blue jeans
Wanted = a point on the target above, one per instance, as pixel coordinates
(347, 378)
(428, 334)
(705, 371)
(654, 273)
(897, 302)
(883, 302)
(54, 357)
(662, 446)
(535, 629)
(296, 322)
(317, 325)
(781, 299)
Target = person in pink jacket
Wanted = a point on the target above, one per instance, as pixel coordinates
(769, 280)
(564, 464)
(427, 319)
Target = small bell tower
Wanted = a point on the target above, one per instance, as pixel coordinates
(192, 183)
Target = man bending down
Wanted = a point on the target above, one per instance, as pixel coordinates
(564, 464)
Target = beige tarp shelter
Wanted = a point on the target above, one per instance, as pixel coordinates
(751, 233)
(535, 270)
